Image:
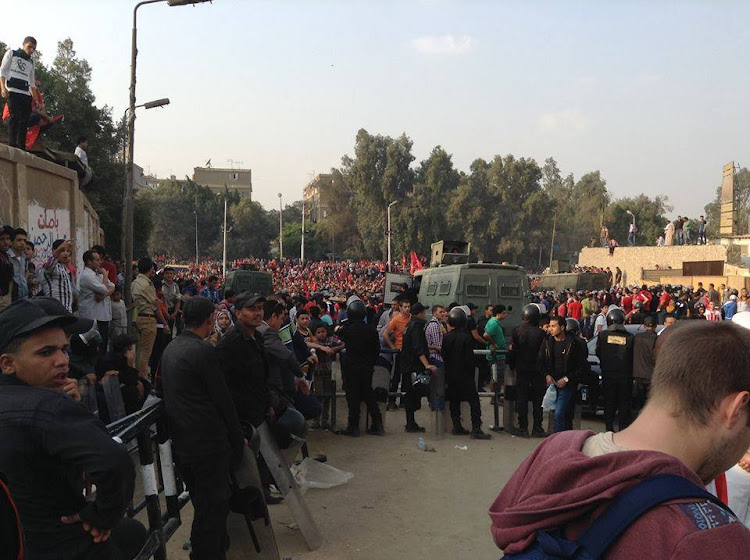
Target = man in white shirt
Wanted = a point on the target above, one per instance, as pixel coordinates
(80, 151)
(17, 84)
(94, 289)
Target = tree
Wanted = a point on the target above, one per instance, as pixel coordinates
(649, 215)
(590, 200)
(252, 230)
(379, 173)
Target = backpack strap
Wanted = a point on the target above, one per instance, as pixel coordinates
(633, 503)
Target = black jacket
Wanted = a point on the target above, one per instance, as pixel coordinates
(242, 360)
(415, 345)
(525, 341)
(362, 347)
(643, 355)
(47, 442)
(614, 346)
(201, 414)
(576, 358)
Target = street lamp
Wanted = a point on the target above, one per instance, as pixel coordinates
(389, 233)
(302, 244)
(196, 238)
(281, 230)
(150, 105)
(127, 230)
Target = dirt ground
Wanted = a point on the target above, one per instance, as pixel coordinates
(402, 502)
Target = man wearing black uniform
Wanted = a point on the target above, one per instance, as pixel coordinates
(204, 427)
(644, 361)
(614, 347)
(458, 353)
(362, 349)
(50, 446)
(414, 358)
(525, 341)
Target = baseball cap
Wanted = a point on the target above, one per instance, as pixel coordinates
(25, 316)
(246, 299)
(417, 308)
(471, 306)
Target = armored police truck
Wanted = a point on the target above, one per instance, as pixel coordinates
(452, 278)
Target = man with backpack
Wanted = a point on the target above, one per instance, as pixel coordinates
(639, 493)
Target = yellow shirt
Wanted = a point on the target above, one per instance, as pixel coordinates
(144, 295)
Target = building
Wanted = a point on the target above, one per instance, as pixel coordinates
(216, 178)
(316, 196)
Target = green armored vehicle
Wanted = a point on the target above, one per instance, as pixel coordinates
(452, 278)
(252, 281)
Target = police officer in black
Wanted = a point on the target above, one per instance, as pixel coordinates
(414, 360)
(525, 341)
(362, 349)
(614, 347)
(458, 354)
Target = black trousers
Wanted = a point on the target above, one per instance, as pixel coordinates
(125, 542)
(103, 328)
(485, 372)
(358, 388)
(207, 481)
(618, 395)
(20, 109)
(530, 386)
(641, 388)
(464, 390)
(395, 378)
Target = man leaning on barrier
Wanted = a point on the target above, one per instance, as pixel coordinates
(204, 427)
(51, 447)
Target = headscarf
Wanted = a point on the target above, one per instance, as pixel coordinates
(217, 328)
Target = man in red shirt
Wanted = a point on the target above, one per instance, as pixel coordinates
(695, 430)
(575, 309)
(626, 302)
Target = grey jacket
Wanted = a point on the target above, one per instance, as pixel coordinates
(282, 362)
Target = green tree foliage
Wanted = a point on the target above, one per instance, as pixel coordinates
(253, 229)
(649, 214)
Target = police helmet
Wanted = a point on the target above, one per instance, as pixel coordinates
(356, 311)
(572, 326)
(530, 314)
(742, 319)
(615, 316)
(457, 318)
(290, 423)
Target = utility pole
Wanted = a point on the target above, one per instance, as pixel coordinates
(302, 246)
(225, 236)
(389, 233)
(281, 231)
(552, 245)
(196, 238)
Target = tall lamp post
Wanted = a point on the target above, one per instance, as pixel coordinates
(127, 230)
(552, 244)
(302, 244)
(281, 231)
(196, 238)
(389, 233)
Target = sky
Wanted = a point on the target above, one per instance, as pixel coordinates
(654, 94)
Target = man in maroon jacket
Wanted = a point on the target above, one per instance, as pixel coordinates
(696, 424)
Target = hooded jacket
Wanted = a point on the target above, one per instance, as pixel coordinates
(558, 486)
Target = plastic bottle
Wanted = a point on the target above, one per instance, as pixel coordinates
(420, 444)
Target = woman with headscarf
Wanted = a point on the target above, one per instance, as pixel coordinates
(221, 326)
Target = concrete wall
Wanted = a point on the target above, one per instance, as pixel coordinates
(633, 260)
(43, 198)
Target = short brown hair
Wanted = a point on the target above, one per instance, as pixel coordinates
(698, 363)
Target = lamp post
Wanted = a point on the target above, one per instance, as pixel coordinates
(281, 231)
(302, 244)
(127, 230)
(389, 233)
(195, 213)
(552, 245)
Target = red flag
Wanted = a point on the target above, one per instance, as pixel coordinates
(415, 263)
(403, 262)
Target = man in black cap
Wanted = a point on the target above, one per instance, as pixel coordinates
(204, 427)
(50, 445)
(414, 359)
(242, 360)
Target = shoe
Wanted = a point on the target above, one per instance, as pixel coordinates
(376, 429)
(391, 406)
(351, 431)
(479, 434)
(539, 433)
(460, 431)
(414, 428)
(273, 500)
(518, 432)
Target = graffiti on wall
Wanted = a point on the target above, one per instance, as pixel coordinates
(45, 226)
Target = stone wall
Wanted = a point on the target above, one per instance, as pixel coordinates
(44, 199)
(633, 260)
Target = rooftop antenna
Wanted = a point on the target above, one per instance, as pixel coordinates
(232, 163)
(208, 163)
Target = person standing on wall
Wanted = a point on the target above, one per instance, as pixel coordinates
(17, 84)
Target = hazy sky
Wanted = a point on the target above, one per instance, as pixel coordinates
(653, 94)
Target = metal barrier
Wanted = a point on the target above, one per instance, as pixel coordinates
(161, 527)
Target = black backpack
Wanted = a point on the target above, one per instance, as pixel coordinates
(11, 535)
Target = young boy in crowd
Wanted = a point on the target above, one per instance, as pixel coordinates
(323, 369)
(119, 323)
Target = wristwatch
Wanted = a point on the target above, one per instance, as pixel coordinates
(566, 379)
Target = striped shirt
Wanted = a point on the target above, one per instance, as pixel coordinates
(433, 332)
(56, 281)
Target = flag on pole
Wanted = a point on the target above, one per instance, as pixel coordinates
(415, 263)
